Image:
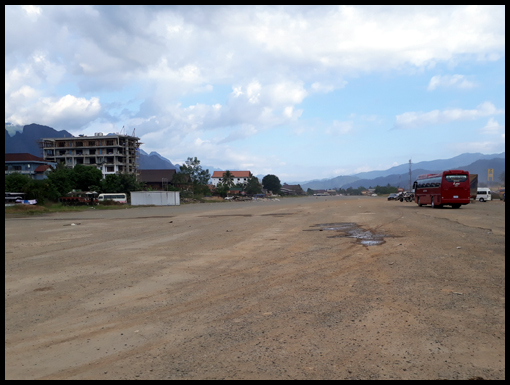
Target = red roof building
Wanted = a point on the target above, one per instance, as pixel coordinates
(239, 177)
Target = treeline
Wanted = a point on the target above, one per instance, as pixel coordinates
(192, 180)
(62, 180)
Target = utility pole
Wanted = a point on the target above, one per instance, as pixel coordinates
(409, 175)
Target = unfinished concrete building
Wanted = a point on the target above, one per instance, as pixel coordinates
(111, 154)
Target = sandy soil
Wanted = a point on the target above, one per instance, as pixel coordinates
(258, 290)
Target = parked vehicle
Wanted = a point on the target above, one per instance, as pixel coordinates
(392, 196)
(483, 194)
(116, 197)
(78, 198)
(451, 187)
(408, 196)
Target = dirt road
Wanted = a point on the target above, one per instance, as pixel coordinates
(258, 290)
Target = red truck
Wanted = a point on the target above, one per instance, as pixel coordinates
(79, 198)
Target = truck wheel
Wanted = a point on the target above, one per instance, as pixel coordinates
(482, 200)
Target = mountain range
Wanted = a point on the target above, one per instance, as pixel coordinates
(475, 163)
(25, 140)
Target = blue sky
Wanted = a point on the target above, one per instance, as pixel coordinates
(301, 92)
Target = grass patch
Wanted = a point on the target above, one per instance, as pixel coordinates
(25, 209)
(59, 207)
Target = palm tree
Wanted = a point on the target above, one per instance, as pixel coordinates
(228, 179)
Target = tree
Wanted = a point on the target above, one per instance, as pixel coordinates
(16, 182)
(110, 184)
(253, 185)
(40, 190)
(85, 176)
(227, 179)
(272, 183)
(61, 180)
(197, 175)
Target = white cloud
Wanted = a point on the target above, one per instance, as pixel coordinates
(339, 128)
(492, 127)
(67, 112)
(454, 81)
(273, 57)
(319, 87)
(31, 9)
(244, 132)
(417, 119)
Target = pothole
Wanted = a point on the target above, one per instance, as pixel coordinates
(351, 230)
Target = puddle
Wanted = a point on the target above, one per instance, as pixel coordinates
(351, 230)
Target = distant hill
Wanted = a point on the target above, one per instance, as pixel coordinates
(27, 141)
(399, 175)
(154, 161)
(479, 167)
(439, 164)
(397, 180)
(325, 184)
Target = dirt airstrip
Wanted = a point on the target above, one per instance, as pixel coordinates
(301, 288)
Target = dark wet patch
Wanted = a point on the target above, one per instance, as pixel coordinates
(44, 288)
(276, 214)
(351, 230)
(156, 217)
(230, 215)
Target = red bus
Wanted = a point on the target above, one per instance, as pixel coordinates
(451, 188)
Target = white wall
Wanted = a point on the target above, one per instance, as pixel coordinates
(158, 198)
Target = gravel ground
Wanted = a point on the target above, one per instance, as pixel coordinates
(301, 288)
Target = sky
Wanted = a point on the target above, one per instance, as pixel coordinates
(300, 92)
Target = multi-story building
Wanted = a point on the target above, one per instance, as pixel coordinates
(109, 153)
(238, 177)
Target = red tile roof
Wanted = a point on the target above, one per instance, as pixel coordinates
(235, 174)
(42, 168)
(22, 157)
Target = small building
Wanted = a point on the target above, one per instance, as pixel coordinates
(238, 177)
(28, 164)
(295, 189)
(157, 179)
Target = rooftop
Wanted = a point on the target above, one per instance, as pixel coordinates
(23, 157)
(235, 174)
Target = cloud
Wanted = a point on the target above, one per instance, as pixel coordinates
(241, 133)
(31, 9)
(450, 81)
(417, 119)
(188, 77)
(68, 112)
(339, 128)
(492, 127)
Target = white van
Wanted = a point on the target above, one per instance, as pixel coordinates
(117, 197)
(483, 194)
